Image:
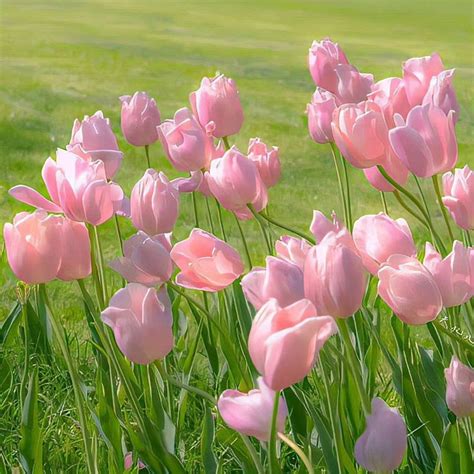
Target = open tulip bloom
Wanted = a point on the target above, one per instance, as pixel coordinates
(202, 349)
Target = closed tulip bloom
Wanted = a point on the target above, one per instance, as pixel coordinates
(383, 444)
(141, 320)
(154, 203)
(266, 160)
(417, 74)
(409, 289)
(458, 189)
(353, 86)
(334, 278)
(185, 142)
(235, 182)
(217, 106)
(460, 388)
(251, 413)
(426, 144)
(320, 112)
(280, 279)
(323, 58)
(292, 249)
(77, 187)
(94, 137)
(442, 94)
(284, 342)
(128, 462)
(146, 260)
(140, 117)
(206, 262)
(378, 236)
(453, 274)
(33, 244)
(322, 226)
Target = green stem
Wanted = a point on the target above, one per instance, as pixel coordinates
(253, 454)
(221, 222)
(244, 241)
(348, 192)
(189, 388)
(298, 451)
(209, 216)
(226, 142)
(425, 203)
(196, 215)
(467, 236)
(339, 181)
(441, 205)
(100, 264)
(261, 224)
(454, 336)
(119, 233)
(384, 202)
(147, 153)
(272, 451)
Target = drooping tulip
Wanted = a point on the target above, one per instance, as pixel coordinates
(409, 289)
(426, 144)
(206, 262)
(458, 190)
(140, 117)
(154, 203)
(320, 111)
(251, 413)
(284, 342)
(267, 161)
(93, 139)
(217, 106)
(378, 236)
(453, 274)
(280, 279)
(460, 388)
(146, 259)
(383, 444)
(442, 94)
(292, 249)
(141, 320)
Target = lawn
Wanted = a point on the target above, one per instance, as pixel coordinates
(62, 60)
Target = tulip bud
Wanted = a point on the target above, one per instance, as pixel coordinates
(441, 93)
(267, 161)
(460, 388)
(320, 112)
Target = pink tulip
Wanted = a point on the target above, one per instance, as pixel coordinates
(352, 86)
(320, 112)
(394, 168)
(383, 444)
(77, 187)
(128, 462)
(206, 262)
(217, 106)
(185, 143)
(458, 189)
(409, 289)
(460, 388)
(442, 94)
(281, 280)
(154, 203)
(377, 237)
(417, 74)
(146, 259)
(334, 277)
(189, 184)
(266, 160)
(251, 413)
(140, 117)
(141, 320)
(292, 250)
(426, 144)
(33, 244)
(453, 274)
(235, 182)
(284, 342)
(93, 139)
(322, 226)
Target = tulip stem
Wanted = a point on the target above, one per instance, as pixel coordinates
(226, 142)
(147, 153)
(384, 202)
(298, 451)
(348, 193)
(260, 222)
(196, 215)
(100, 264)
(221, 222)
(119, 234)
(253, 454)
(339, 181)
(244, 241)
(272, 451)
(444, 212)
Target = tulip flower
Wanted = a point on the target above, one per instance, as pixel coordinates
(320, 112)
(128, 462)
(334, 277)
(146, 259)
(442, 94)
(33, 244)
(185, 142)
(394, 168)
(409, 290)
(377, 237)
(140, 117)
(235, 182)
(417, 74)
(93, 139)
(458, 189)
(352, 86)
(292, 249)
(426, 144)
(189, 184)
(251, 413)
(284, 342)
(460, 388)
(267, 161)
(453, 274)
(216, 104)
(141, 320)
(383, 444)
(77, 187)
(154, 203)
(206, 262)
(280, 279)
(322, 226)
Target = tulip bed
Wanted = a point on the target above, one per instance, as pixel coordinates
(350, 350)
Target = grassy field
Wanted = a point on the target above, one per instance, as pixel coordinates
(62, 60)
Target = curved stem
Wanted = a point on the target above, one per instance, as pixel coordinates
(226, 142)
(298, 451)
(444, 212)
(253, 454)
(188, 388)
(244, 241)
(119, 233)
(147, 153)
(100, 264)
(339, 181)
(384, 202)
(259, 217)
(272, 451)
(196, 215)
(221, 222)
(209, 215)
(348, 192)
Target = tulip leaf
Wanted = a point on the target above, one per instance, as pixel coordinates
(10, 324)
(456, 453)
(207, 440)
